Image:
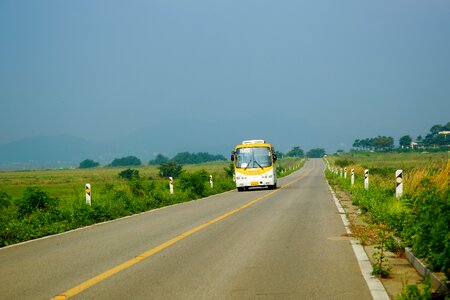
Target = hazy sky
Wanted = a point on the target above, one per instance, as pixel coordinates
(331, 71)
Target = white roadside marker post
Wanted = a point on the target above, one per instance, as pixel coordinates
(366, 179)
(352, 179)
(211, 181)
(88, 193)
(345, 173)
(340, 171)
(398, 183)
(171, 185)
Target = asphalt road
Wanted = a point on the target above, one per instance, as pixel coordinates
(282, 244)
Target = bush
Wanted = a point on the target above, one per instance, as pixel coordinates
(343, 162)
(129, 174)
(421, 219)
(195, 182)
(170, 169)
(5, 200)
(428, 228)
(35, 199)
(229, 171)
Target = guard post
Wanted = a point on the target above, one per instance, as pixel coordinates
(88, 193)
(366, 179)
(398, 183)
(171, 185)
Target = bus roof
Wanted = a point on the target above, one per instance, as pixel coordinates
(253, 142)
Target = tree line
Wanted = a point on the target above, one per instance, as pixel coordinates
(438, 137)
(180, 158)
(297, 151)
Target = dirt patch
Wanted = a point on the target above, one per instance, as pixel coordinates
(402, 273)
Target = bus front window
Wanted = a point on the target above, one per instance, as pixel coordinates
(253, 157)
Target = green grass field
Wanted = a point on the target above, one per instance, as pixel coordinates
(64, 184)
(394, 160)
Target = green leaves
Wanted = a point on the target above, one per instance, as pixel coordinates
(34, 199)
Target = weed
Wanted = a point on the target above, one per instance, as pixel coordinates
(416, 292)
(381, 267)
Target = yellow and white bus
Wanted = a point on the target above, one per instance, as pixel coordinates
(254, 165)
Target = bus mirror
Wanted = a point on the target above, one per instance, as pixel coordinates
(232, 155)
(274, 157)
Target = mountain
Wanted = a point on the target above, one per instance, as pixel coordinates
(168, 138)
(45, 151)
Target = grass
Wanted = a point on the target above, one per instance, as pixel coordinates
(38, 203)
(396, 160)
(64, 183)
(421, 217)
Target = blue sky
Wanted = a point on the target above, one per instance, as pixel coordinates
(326, 72)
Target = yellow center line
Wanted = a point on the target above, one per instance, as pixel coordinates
(94, 280)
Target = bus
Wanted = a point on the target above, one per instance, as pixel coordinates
(254, 165)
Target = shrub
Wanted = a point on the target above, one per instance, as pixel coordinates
(5, 200)
(229, 171)
(170, 169)
(343, 162)
(129, 174)
(195, 182)
(34, 199)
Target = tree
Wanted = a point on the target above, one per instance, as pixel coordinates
(356, 144)
(129, 174)
(126, 161)
(295, 152)
(88, 163)
(316, 153)
(196, 158)
(405, 141)
(158, 160)
(170, 169)
(434, 139)
(383, 143)
(279, 154)
(436, 128)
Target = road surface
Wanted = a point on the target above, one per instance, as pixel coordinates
(284, 244)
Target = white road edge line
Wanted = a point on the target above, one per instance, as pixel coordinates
(376, 288)
(109, 221)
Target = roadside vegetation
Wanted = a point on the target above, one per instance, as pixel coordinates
(420, 219)
(39, 203)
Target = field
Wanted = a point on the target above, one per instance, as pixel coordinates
(65, 183)
(38, 203)
(393, 160)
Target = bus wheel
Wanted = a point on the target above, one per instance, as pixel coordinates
(241, 189)
(272, 187)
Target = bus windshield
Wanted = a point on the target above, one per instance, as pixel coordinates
(253, 157)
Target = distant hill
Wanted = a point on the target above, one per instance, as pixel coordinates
(46, 151)
(167, 138)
